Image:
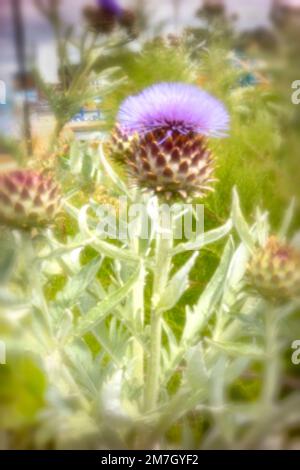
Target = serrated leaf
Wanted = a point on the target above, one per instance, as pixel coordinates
(98, 313)
(172, 342)
(240, 223)
(200, 314)
(204, 239)
(287, 220)
(101, 246)
(236, 272)
(238, 349)
(113, 176)
(196, 373)
(77, 285)
(262, 227)
(75, 158)
(7, 262)
(112, 251)
(176, 286)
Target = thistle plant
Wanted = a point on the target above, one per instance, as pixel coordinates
(94, 310)
(104, 342)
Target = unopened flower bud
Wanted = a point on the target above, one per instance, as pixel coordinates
(27, 199)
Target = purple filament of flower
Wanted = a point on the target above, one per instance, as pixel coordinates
(174, 107)
(111, 6)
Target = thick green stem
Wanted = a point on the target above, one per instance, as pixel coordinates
(164, 242)
(138, 315)
(34, 274)
(270, 380)
(271, 374)
(152, 383)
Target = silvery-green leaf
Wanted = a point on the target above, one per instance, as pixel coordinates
(196, 374)
(10, 300)
(71, 210)
(81, 361)
(262, 227)
(114, 340)
(66, 249)
(176, 286)
(75, 158)
(65, 324)
(296, 240)
(197, 317)
(111, 173)
(172, 342)
(238, 266)
(113, 251)
(111, 399)
(83, 220)
(224, 420)
(87, 167)
(240, 223)
(204, 239)
(218, 382)
(7, 262)
(235, 275)
(97, 314)
(77, 285)
(238, 349)
(288, 217)
(101, 246)
(236, 368)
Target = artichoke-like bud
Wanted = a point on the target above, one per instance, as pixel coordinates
(28, 199)
(107, 15)
(162, 134)
(274, 271)
(120, 145)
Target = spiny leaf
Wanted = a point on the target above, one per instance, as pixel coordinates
(240, 223)
(176, 286)
(200, 314)
(204, 239)
(98, 313)
(238, 349)
(79, 283)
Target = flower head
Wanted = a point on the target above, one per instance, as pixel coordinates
(110, 6)
(27, 199)
(274, 271)
(109, 14)
(162, 136)
(174, 107)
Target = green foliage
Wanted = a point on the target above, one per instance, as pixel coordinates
(22, 392)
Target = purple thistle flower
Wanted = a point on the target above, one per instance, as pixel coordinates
(162, 135)
(174, 107)
(111, 6)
